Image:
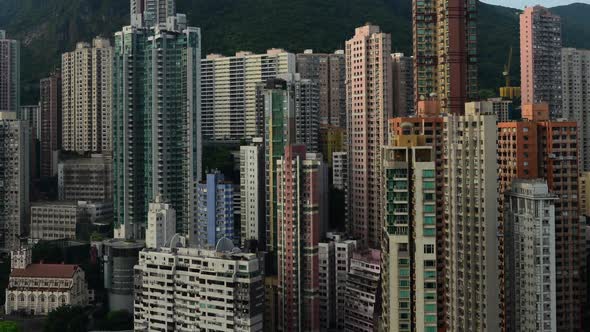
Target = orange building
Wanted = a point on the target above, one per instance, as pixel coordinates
(540, 148)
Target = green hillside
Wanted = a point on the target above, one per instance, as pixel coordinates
(49, 27)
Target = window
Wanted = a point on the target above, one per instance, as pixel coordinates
(429, 248)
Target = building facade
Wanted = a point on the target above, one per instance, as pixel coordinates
(300, 212)
(409, 247)
(56, 220)
(156, 148)
(575, 86)
(161, 224)
(471, 212)
(530, 250)
(403, 84)
(340, 170)
(87, 74)
(215, 210)
(540, 59)
(445, 52)
(229, 87)
(329, 70)
(15, 179)
(252, 193)
(85, 179)
(9, 74)
(119, 259)
(369, 106)
(50, 114)
(211, 290)
(38, 289)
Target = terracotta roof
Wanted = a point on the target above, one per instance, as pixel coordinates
(46, 271)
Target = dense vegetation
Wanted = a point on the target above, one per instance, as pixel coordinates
(49, 27)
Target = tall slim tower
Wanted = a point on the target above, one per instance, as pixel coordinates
(151, 12)
(403, 84)
(15, 177)
(445, 52)
(409, 247)
(9, 74)
(471, 213)
(50, 114)
(156, 123)
(300, 211)
(87, 74)
(540, 58)
(369, 106)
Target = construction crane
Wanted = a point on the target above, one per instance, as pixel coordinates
(508, 91)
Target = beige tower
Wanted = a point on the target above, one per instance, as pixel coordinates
(86, 89)
(369, 106)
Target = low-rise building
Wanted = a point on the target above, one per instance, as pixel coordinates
(85, 179)
(37, 289)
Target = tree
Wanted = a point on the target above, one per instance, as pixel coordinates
(9, 326)
(67, 319)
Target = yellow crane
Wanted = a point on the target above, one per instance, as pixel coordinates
(508, 91)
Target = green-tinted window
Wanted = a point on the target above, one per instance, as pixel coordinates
(429, 220)
(430, 296)
(429, 208)
(430, 307)
(429, 274)
(428, 173)
(404, 272)
(430, 329)
(430, 319)
(429, 185)
(429, 231)
(404, 283)
(404, 305)
(404, 294)
(403, 261)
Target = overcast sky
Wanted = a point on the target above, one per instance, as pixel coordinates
(521, 3)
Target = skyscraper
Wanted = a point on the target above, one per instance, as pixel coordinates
(537, 147)
(540, 58)
(575, 88)
(409, 248)
(14, 177)
(252, 192)
(403, 84)
(530, 250)
(215, 211)
(445, 52)
(290, 108)
(151, 12)
(300, 212)
(369, 106)
(329, 70)
(9, 74)
(50, 113)
(471, 214)
(87, 74)
(229, 89)
(156, 123)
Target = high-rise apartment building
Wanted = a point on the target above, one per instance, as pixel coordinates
(215, 210)
(161, 224)
(575, 87)
(340, 170)
(409, 247)
(369, 106)
(252, 193)
(85, 179)
(504, 109)
(151, 12)
(87, 74)
(332, 139)
(229, 92)
(403, 84)
(329, 70)
(537, 147)
(9, 74)
(31, 114)
(14, 177)
(156, 123)
(529, 222)
(540, 58)
(363, 292)
(188, 289)
(290, 108)
(471, 214)
(445, 52)
(50, 114)
(301, 208)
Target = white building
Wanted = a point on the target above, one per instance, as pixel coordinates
(37, 289)
(161, 224)
(229, 91)
(339, 170)
(14, 180)
(530, 246)
(252, 192)
(575, 88)
(87, 80)
(187, 289)
(335, 253)
(363, 292)
(471, 196)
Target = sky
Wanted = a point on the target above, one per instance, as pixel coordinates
(522, 3)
